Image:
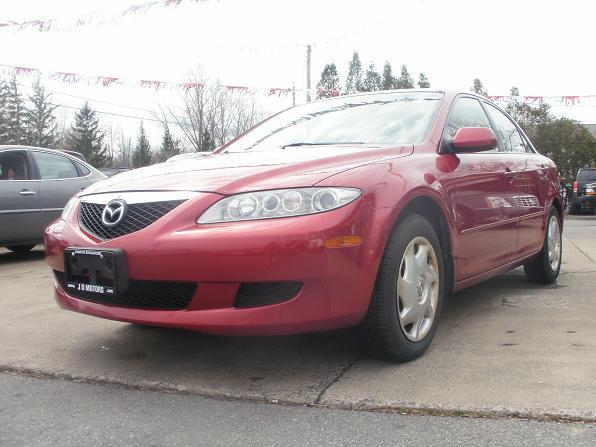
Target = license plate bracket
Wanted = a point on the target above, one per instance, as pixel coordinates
(96, 271)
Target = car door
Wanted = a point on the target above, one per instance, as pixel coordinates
(530, 181)
(479, 187)
(59, 181)
(19, 199)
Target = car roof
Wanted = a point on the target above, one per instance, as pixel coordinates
(447, 92)
(11, 147)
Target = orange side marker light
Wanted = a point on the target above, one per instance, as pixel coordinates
(343, 241)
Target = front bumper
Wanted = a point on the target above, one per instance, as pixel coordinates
(337, 282)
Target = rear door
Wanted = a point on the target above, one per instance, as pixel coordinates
(480, 189)
(530, 181)
(19, 199)
(60, 179)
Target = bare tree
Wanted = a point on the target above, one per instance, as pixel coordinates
(210, 114)
(111, 132)
(125, 148)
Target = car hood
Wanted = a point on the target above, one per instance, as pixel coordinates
(228, 173)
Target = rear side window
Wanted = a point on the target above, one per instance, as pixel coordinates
(511, 140)
(54, 166)
(466, 112)
(586, 175)
(13, 166)
(84, 171)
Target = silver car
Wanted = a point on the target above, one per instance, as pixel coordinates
(35, 184)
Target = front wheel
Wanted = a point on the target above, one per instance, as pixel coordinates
(545, 268)
(408, 296)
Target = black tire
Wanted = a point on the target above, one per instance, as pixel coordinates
(384, 335)
(539, 269)
(20, 248)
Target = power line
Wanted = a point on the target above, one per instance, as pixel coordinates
(116, 114)
(90, 99)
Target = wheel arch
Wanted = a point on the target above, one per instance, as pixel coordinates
(430, 208)
(559, 207)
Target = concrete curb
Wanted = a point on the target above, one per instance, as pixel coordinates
(397, 407)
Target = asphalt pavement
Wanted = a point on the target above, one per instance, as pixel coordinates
(41, 412)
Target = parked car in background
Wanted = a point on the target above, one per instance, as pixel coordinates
(35, 184)
(110, 172)
(74, 154)
(583, 198)
(369, 209)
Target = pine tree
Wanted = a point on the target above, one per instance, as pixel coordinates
(208, 144)
(142, 154)
(87, 138)
(477, 87)
(423, 81)
(14, 129)
(39, 118)
(3, 112)
(354, 78)
(328, 85)
(388, 81)
(404, 80)
(169, 145)
(372, 79)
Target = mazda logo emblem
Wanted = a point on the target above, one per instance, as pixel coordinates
(113, 212)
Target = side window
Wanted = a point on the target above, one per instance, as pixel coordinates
(510, 138)
(83, 170)
(13, 166)
(466, 112)
(54, 166)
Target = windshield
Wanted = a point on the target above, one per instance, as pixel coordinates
(586, 175)
(376, 119)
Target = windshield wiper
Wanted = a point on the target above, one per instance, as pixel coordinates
(321, 144)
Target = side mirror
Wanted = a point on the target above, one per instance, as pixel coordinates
(473, 139)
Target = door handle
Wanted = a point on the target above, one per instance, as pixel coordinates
(26, 192)
(509, 174)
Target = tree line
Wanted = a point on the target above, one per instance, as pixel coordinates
(205, 115)
(370, 80)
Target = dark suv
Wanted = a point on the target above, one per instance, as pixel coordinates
(584, 192)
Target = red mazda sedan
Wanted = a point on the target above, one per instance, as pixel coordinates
(369, 209)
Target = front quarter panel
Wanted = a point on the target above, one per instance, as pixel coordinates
(388, 186)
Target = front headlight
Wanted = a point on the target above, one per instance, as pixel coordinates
(68, 208)
(278, 203)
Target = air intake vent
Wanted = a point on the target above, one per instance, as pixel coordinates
(137, 217)
(162, 295)
(252, 294)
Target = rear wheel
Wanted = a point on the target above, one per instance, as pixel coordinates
(409, 293)
(545, 268)
(20, 248)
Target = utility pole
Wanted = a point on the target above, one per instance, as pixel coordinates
(293, 94)
(308, 51)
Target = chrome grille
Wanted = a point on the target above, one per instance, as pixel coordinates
(137, 217)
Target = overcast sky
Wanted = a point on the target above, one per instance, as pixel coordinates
(542, 47)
